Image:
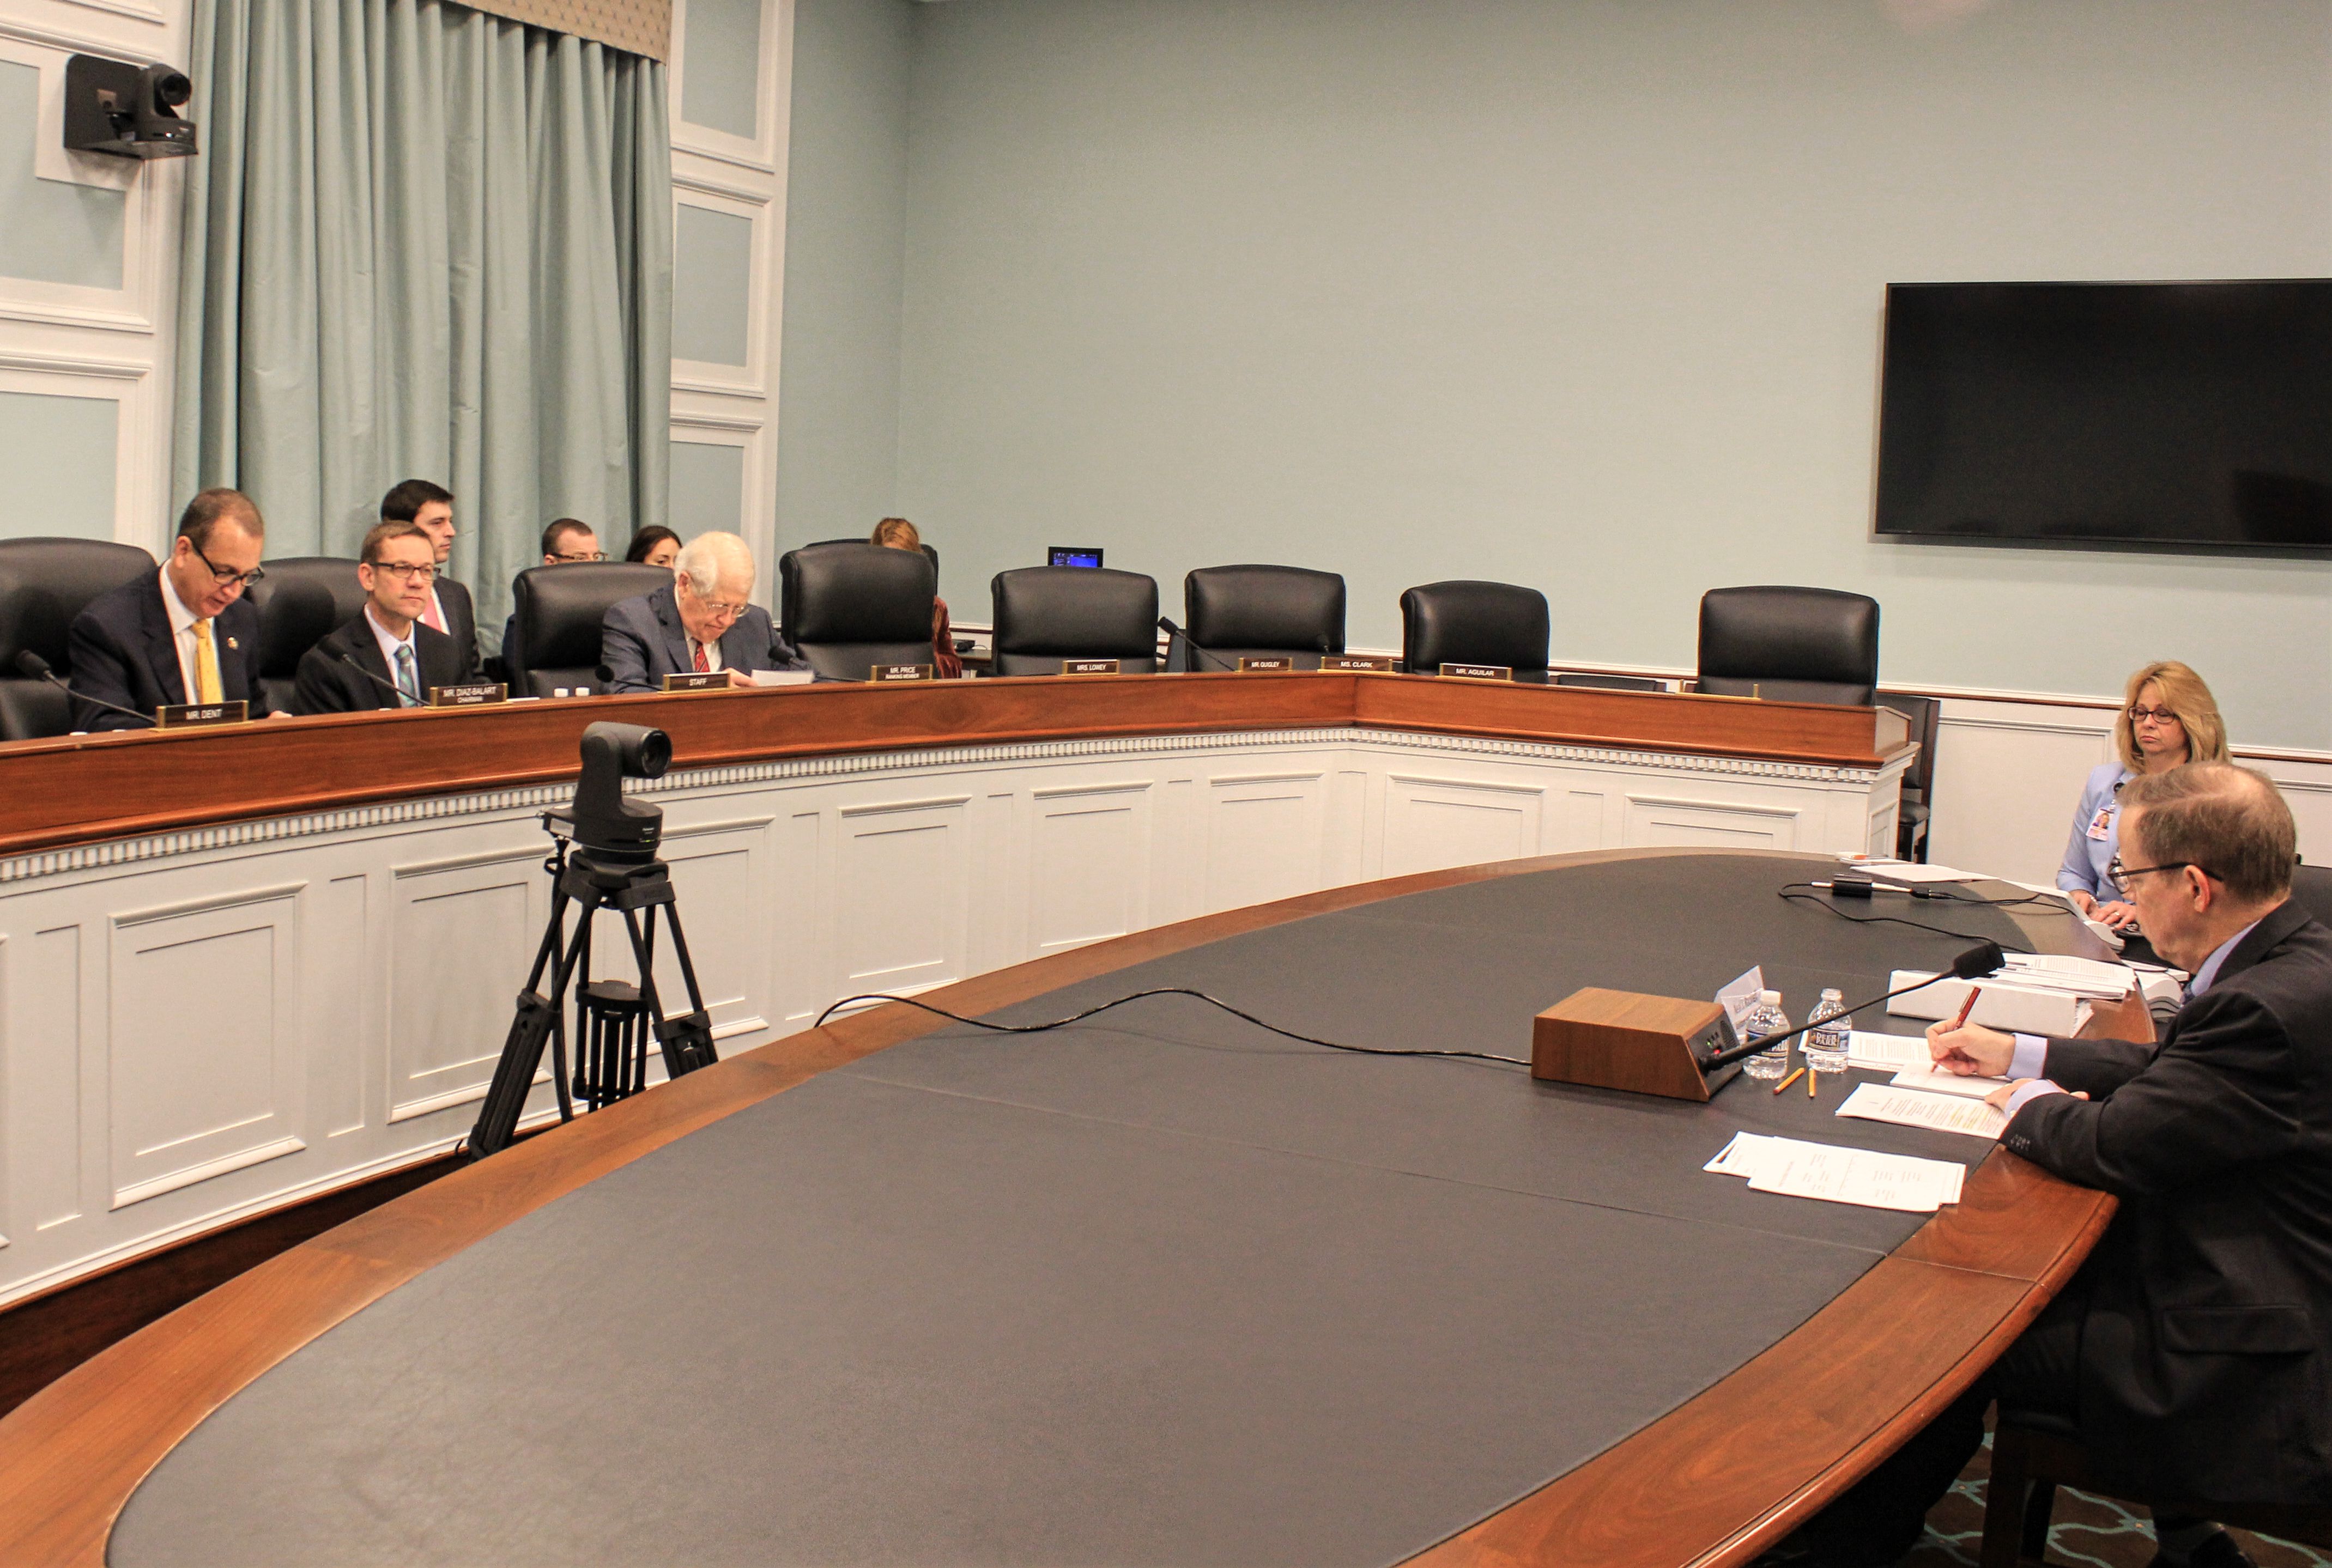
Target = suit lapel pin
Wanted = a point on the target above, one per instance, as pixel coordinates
(231, 643)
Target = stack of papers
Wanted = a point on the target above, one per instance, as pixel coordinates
(1887, 1053)
(1797, 1169)
(1908, 1107)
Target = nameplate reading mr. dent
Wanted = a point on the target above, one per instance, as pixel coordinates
(468, 694)
(1267, 664)
(1089, 667)
(1480, 671)
(885, 673)
(195, 715)
(1381, 663)
(696, 680)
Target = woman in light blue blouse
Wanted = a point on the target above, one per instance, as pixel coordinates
(2167, 718)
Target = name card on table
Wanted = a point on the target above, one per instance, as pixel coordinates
(697, 681)
(884, 674)
(1266, 664)
(1089, 667)
(197, 715)
(470, 694)
(1480, 671)
(1380, 663)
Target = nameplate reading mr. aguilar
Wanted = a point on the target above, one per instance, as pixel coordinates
(195, 714)
(696, 680)
(1089, 667)
(1380, 663)
(1480, 671)
(885, 673)
(470, 694)
(1266, 664)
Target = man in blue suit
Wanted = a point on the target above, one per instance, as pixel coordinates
(184, 635)
(703, 622)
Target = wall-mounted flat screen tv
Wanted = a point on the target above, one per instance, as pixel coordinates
(2126, 413)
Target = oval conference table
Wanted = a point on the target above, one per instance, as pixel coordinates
(1162, 1287)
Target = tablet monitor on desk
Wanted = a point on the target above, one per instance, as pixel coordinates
(1073, 555)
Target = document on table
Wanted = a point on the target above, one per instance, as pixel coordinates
(1795, 1168)
(1927, 1081)
(1909, 1108)
(1911, 873)
(1887, 1053)
(783, 677)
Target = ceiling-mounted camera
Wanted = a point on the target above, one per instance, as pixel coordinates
(127, 111)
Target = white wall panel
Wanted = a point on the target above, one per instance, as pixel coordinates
(1654, 820)
(1262, 837)
(1433, 822)
(45, 1055)
(1088, 864)
(462, 936)
(902, 891)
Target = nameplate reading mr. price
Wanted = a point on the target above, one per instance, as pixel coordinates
(697, 681)
(195, 714)
(1266, 664)
(1480, 671)
(1089, 667)
(885, 673)
(1380, 663)
(470, 694)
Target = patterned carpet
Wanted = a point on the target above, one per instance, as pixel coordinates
(2089, 1532)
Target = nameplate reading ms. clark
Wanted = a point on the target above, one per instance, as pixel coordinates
(1377, 663)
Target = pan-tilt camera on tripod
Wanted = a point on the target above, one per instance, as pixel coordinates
(604, 858)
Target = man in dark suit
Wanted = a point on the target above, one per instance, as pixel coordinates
(2193, 1352)
(386, 657)
(703, 622)
(184, 635)
(430, 508)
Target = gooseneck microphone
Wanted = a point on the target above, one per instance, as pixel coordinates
(1172, 630)
(1973, 963)
(31, 663)
(393, 689)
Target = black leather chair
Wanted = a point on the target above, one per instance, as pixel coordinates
(933, 554)
(1609, 682)
(43, 585)
(850, 605)
(1919, 781)
(1043, 615)
(1790, 644)
(558, 612)
(301, 601)
(1469, 622)
(1234, 613)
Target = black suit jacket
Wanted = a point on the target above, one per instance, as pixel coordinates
(328, 686)
(120, 648)
(2206, 1351)
(642, 640)
(460, 619)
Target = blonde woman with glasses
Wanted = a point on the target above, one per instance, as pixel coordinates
(2167, 719)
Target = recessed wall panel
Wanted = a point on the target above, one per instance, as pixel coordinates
(50, 231)
(712, 286)
(58, 453)
(720, 77)
(460, 941)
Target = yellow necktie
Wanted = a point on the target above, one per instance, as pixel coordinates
(206, 675)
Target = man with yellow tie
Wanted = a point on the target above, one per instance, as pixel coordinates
(185, 634)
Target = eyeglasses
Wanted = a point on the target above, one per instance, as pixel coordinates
(2160, 715)
(2119, 874)
(405, 572)
(223, 574)
(579, 555)
(716, 609)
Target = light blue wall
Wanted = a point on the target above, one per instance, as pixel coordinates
(708, 488)
(712, 283)
(719, 80)
(845, 210)
(1583, 294)
(50, 231)
(58, 455)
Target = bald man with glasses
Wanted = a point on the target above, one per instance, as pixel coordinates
(701, 623)
(185, 634)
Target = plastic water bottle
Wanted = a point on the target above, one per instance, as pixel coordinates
(1830, 1038)
(1768, 1019)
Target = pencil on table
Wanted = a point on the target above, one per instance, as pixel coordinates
(1786, 1083)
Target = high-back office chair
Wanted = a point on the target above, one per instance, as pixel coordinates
(301, 601)
(43, 585)
(1471, 623)
(1043, 615)
(557, 616)
(927, 549)
(1919, 780)
(849, 605)
(1234, 613)
(1608, 682)
(1790, 644)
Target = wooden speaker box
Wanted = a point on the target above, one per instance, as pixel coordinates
(1620, 1040)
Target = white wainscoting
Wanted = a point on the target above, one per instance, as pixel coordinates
(205, 1024)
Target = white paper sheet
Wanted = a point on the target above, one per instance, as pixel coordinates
(1927, 1080)
(1913, 873)
(1796, 1168)
(1909, 1108)
(783, 677)
(1887, 1053)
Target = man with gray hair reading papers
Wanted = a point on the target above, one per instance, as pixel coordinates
(2192, 1354)
(703, 622)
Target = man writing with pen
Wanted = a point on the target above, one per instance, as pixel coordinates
(2193, 1352)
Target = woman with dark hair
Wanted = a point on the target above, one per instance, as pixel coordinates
(899, 534)
(655, 545)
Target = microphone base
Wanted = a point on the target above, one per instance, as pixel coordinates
(1621, 1040)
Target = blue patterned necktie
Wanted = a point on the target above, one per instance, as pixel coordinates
(407, 681)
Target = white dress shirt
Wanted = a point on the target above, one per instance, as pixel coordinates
(182, 637)
(388, 647)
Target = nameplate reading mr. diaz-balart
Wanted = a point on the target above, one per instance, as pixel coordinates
(468, 694)
(1089, 667)
(885, 673)
(1266, 664)
(1380, 663)
(1480, 671)
(696, 680)
(195, 715)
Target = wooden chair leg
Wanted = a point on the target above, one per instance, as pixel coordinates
(2004, 1501)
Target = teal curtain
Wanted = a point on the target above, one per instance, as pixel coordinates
(423, 242)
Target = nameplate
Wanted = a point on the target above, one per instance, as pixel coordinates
(1268, 665)
(470, 694)
(884, 674)
(1480, 671)
(197, 715)
(1089, 667)
(696, 680)
(1380, 663)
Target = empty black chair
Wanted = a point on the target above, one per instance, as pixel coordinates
(557, 613)
(1045, 614)
(1234, 613)
(851, 605)
(1918, 780)
(301, 601)
(43, 585)
(927, 549)
(1790, 644)
(1609, 682)
(1467, 622)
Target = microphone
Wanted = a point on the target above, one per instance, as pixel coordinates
(397, 691)
(1970, 964)
(31, 663)
(1174, 631)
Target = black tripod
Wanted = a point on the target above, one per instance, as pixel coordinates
(609, 1015)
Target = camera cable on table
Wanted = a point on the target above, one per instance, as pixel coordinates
(1812, 896)
(1162, 991)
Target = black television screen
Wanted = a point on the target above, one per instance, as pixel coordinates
(2144, 414)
